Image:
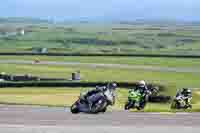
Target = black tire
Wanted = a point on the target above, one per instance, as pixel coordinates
(74, 109)
(128, 105)
(138, 108)
(98, 107)
(142, 105)
(104, 110)
(175, 105)
(188, 106)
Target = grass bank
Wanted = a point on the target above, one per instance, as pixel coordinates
(106, 74)
(148, 61)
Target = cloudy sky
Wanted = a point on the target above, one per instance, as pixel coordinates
(102, 9)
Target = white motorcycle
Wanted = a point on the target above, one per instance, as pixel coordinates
(179, 103)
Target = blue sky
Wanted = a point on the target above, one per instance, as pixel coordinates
(102, 9)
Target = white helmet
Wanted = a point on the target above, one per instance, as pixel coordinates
(3, 73)
(142, 83)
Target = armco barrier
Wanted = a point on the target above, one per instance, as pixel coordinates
(79, 54)
(159, 99)
(22, 78)
(69, 84)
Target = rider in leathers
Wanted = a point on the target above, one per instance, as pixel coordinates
(144, 91)
(91, 97)
(186, 94)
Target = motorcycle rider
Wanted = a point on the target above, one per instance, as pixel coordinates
(91, 97)
(141, 87)
(144, 91)
(186, 95)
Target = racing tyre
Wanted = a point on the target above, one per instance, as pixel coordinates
(128, 105)
(189, 106)
(104, 110)
(74, 109)
(175, 105)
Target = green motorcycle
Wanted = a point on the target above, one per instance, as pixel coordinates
(135, 100)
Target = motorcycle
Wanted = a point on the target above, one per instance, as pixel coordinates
(135, 100)
(105, 99)
(179, 103)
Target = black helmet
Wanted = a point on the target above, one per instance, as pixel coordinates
(187, 91)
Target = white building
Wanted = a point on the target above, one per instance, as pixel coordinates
(20, 31)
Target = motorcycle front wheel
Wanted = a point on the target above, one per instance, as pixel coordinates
(74, 109)
(128, 105)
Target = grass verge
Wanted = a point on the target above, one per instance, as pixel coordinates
(61, 97)
(148, 61)
(106, 74)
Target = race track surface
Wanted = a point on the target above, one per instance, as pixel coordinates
(25, 119)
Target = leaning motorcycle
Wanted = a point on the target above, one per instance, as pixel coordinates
(179, 103)
(135, 100)
(105, 99)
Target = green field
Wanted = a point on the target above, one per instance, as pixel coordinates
(160, 62)
(49, 96)
(102, 38)
(106, 74)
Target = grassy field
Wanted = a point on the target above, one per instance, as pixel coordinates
(66, 96)
(102, 38)
(106, 74)
(49, 96)
(160, 62)
(39, 96)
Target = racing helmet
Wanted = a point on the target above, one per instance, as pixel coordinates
(187, 91)
(112, 86)
(142, 83)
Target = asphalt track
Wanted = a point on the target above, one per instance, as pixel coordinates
(120, 66)
(27, 119)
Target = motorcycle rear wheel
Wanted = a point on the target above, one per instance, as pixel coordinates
(176, 105)
(97, 108)
(104, 110)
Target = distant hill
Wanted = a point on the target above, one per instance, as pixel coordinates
(23, 20)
